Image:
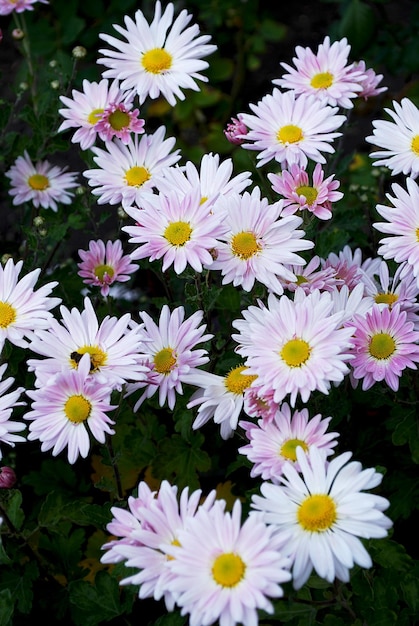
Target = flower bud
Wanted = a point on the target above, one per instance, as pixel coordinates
(7, 477)
(79, 52)
(17, 33)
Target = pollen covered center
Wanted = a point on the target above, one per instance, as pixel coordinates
(228, 569)
(245, 245)
(415, 144)
(77, 408)
(39, 182)
(7, 314)
(236, 382)
(156, 61)
(178, 233)
(95, 116)
(119, 119)
(137, 176)
(97, 357)
(386, 298)
(289, 134)
(289, 448)
(382, 346)
(322, 80)
(295, 352)
(310, 193)
(317, 513)
(164, 361)
(102, 270)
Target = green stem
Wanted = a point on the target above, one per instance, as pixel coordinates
(26, 46)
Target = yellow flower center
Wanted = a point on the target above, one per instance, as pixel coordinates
(178, 233)
(415, 144)
(382, 346)
(39, 182)
(289, 448)
(203, 199)
(77, 408)
(7, 314)
(245, 245)
(386, 298)
(95, 116)
(301, 279)
(101, 270)
(236, 382)
(175, 542)
(228, 569)
(164, 361)
(119, 119)
(295, 352)
(310, 193)
(290, 134)
(97, 357)
(322, 80)
(137, 176)
(156, 61)
(317, 513)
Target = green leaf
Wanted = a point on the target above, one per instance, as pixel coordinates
(171, 619)
(19, 584)
(358, 25)
(93, 604)
(6, 607)
(181, 460)
(11, 501)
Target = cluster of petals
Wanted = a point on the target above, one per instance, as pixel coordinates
(24, 310)
(369, 81)
(235, 130)
(18, 6)
(41, 183)
(158, 59)
(294, 186)
(291, 129)
(104, 264)
(312, 276)
(322, 511)
(8, 427)
(350, 267)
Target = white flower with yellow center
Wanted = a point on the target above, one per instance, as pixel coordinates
(320, 512)
(161, 58)
(9, 428)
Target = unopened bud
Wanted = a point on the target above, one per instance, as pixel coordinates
(17, 33)
(79, 52)
(55, 84)
(7, 477)
(38, 221)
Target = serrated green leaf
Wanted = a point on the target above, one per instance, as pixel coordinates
(6, 607)
(181, 460)
(93, 604)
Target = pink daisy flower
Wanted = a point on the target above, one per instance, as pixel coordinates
(295, 346)
(384, 344)
(68, 410)
(258, 242)
(294, 186)
(18, 6)
(102, 265)
(152, 525)
(349, 266)
(259, 402)
(235, 130)
(402, 226)
(312, 276)
(176, 228)
(369, 81)
(327, 74)
(9, 428)
(273, 443)
(231, 574)
(157, 59)
(170, 354)
(118, 120)
(41, 183)
(291, 129)
(23, 310)
(126, 171)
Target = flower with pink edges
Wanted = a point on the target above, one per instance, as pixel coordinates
(8, 427)
(369, 81)
(119, 120)
(235, 130)
(312, 276)
(102, 265)
(18, 6)
(273, 443)
(294, 186)
(384, 345)
(349, 266)
(259, 402)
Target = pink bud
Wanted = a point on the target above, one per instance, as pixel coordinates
(7, 477)
(234, 129)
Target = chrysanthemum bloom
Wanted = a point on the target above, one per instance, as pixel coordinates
(170, 353)
(119, 120)
(115, 347)
(161, 58)
(219, 398)
(327, 74)
(18, 6)
(153, 523)
(260, 403)
(349, 266)
(68, 410)
(214, 179)
(291, 129)
(223, 570)
(402, 226)
(273, 443)
(294, 186)
(8, 401)
(23, 311)
(258, 243)
(384, 344)
(321, 511)
(42, 184)
(235, 130)
(312, 276)
(295, 346)
(369, 81)
(176, 228)
(398, 139)
(126, 171)
(86, 108)
(102, 265)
